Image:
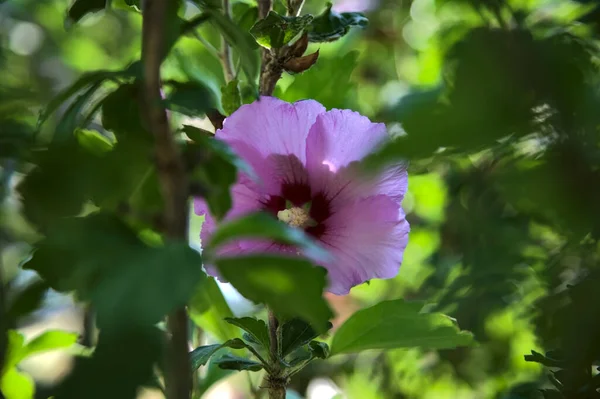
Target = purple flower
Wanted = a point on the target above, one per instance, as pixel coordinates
(306, 159)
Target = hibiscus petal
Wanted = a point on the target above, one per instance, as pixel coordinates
(270, 126)
(367, 239)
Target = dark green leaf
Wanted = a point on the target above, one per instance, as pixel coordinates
(202, 354)
(82, 7)
(331, 26)
(87, 79)
(298, 356)
(72, 117)
(214, 169)
(126, 361)
(275, 31)
(241, 41)
(290, 286)
(263, 225)
(231, 98)
(121, 111)
(230, 362)
(190, 98)
(27, 301)
(319, 349)
(128, 282)
(296, 333)
(256, 328)
(54, 188)
(397, 324)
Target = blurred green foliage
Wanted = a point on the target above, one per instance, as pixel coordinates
(494, 102)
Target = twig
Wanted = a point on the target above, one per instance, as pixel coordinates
(273, 60)
(173, 182)
(225, 56)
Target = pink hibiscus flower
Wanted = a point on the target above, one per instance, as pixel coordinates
(306, 160)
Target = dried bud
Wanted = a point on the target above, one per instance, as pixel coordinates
(299, 47)
(301, 64)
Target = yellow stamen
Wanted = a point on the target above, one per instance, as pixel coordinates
(295, 217)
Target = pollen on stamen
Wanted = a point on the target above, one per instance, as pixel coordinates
(295, 217)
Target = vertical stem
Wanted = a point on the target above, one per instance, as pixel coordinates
(225, 56)
(173, 182)
(5, 178)
(276, 381)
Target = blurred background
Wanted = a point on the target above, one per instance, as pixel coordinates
(496, 105)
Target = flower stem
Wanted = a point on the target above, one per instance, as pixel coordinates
(173, 184)
(276, 380)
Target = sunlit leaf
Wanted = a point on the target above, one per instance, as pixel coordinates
(397, 324)
(289, 286)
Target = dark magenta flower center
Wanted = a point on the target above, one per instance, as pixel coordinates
(299, 194)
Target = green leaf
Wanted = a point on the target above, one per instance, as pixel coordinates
(397, 324)
(289, 286)
(256, 328)
(208, 308)
(275, 31)
(231, 362)
(202, 354)
(16, 385)
(190, 98)
(328, 82)
(263, 225)
(241, 41)
(331, 26)
(82, 7)
(319, 349)
(104, 261)
(93, 141)
(49, 340)
(296, 333)
(231, 98)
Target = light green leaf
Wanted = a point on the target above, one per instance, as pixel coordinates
(208, 308)
(275, 31)
(331, 26)
(49, 340)
(263, 225)
(292, 287)
(16, 385)
(397, 324)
